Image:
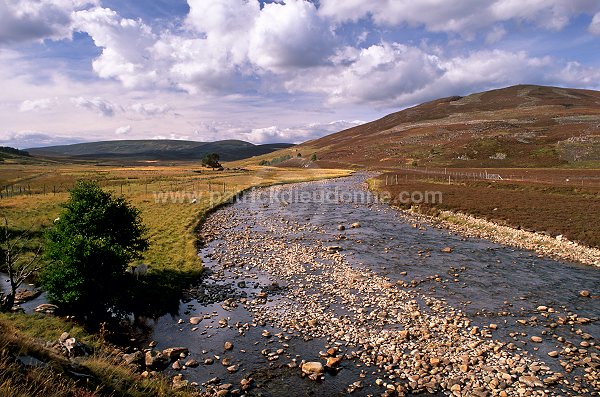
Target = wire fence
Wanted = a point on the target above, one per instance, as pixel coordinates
(123, 188)
(553, 177)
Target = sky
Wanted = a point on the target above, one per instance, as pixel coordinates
(269, 71)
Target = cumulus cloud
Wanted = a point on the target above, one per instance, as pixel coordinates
(123, 130)
(223, 43)
(289, 35)
(297, 134)
(574, 74)
(375, 74)
(150, 109)
(398, 75)
(126, 46)
(460, 17)
(37, 104)
(97, 104)
(22, 20)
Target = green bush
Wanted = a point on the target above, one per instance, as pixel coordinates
(89, 248)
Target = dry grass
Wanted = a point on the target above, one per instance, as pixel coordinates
(552, 208)
(170, 220)
(55, 377)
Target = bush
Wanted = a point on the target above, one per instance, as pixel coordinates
(89, 248)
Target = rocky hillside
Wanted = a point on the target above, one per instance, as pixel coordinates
(519, 126)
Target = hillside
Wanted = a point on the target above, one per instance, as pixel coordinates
(9, 155)
(169, 150)
(519, 126)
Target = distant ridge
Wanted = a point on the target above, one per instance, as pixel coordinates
(518, 126)
(160, 149)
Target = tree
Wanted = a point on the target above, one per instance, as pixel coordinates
(313, 157)
(211, 160)
(90, 247)
(17, 261)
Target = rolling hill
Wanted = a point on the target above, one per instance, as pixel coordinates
(165, 150)
(519, 126)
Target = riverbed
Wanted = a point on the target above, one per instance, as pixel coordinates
(406, 306)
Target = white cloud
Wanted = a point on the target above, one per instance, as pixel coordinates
(150, 109)
(296, 134)
(396, 75)
(574, 74)
(123, 130)
(289, 35)
(378, 74)
(595, 24)
(29, 105)
(126, 46)
(97, 104)
(22, 20)
(461, 17)
(29, 139)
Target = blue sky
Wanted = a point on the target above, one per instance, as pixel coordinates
(276, 71)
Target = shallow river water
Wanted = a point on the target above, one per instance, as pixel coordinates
(489, 283)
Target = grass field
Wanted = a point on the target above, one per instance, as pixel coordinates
(164, 195)
(540, 200)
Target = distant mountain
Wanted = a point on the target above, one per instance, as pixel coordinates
(165, 150)
(519, 126)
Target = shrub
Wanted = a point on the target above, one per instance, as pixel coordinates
(89, 248)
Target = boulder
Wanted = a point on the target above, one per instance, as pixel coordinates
(312, 368)
(46, 308)
(156, 360)
(133, 358)
(446, 250)
(173, 353)
(355, 225)
(195, 320)
(333, 362)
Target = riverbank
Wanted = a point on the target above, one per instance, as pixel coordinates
(473, 227)
(543, 203)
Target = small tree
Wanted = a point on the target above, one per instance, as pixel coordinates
(17, 261)
(211, 160)
(313, 157)
(90, 246)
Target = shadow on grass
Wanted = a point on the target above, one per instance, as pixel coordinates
(158, 293)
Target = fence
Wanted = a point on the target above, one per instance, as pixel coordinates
(549, 176)
(121, 188)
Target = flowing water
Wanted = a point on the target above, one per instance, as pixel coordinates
(479, 277)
